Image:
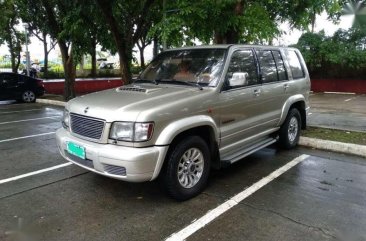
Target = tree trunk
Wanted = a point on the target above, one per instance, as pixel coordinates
(93, 54)
(45, 59)
(142, 58)
(155, 47)
(12, 56)
(312, 20)
(141, 50)
(119, 39)
(69, 71)
(17, 63)
(124, 66)
(232, 35)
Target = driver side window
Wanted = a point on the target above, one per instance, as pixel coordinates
(242, 67)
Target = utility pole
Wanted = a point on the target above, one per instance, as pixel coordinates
(164, 19)
(26, 48)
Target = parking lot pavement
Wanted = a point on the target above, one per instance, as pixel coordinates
(321, 198)
(338, 111)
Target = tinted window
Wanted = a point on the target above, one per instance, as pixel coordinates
(295, 65)
(9, 80)
(268, 66)
(243, 62)
(281, 70)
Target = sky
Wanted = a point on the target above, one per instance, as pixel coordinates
(291, 37)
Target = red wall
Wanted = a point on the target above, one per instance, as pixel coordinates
(81, 86)
(339, 85)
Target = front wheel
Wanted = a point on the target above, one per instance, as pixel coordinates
(290, 130)
(186, 172)
(28, 96)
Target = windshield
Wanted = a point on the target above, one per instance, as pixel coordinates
(201, 66)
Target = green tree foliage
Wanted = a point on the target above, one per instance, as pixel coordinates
(126, 21)
(9, 34)
(342, 55)
(237, 21)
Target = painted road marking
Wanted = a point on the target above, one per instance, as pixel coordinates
(9, 112)
(310, 113)
(34, 173)
(48, 117)
(339, 93)
(350, 99)
(25, 137)
(214, 213)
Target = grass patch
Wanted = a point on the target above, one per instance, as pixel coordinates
(335, 135)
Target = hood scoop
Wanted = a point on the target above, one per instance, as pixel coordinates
(136, 88)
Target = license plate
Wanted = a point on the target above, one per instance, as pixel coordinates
(75, 150)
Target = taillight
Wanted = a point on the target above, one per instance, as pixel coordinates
(40, 83)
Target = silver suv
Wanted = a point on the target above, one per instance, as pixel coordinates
(191, 109)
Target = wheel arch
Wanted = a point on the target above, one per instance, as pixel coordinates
(298, 102)
(201, 126)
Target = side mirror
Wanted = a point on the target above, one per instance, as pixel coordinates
(238, 79)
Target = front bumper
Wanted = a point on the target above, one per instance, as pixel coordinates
(119, 162)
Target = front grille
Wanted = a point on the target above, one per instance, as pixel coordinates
(86, 126)
(115, 170)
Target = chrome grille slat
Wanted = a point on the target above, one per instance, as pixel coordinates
(115, 170)
(87, 126)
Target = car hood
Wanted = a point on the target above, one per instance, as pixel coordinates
(127, 102)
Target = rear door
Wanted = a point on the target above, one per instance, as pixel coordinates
(275, 84)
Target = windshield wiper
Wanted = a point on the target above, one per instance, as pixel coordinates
(180, 82)
(155, 81)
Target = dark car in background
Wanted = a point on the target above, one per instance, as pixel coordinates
(20, 87)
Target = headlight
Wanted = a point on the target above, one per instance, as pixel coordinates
(129, 131)
(66, 119)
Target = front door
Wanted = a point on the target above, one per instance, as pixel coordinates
(240, 105)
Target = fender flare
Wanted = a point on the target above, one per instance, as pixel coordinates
(175, 128)
(286, 107)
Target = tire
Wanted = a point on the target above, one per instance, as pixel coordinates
(289, 133)
(28, 96)
(180, 178)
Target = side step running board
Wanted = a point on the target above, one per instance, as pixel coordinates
(230, 159)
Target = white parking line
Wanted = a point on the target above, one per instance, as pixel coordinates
(25, 137)
(48, 117)
(214, 213)
(348, 99)
(9, 112)
(34, 173)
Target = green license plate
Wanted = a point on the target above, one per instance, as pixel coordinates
(75, 150)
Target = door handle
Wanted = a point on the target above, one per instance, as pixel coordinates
(285, 86)
(256, 92)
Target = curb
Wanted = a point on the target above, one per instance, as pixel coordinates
(341, 147)
(51, 102)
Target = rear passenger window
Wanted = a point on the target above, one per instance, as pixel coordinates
(242, 62)
(268, 66)
(295, 65)
(281, 70)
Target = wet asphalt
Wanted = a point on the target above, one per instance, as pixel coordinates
(338, 111)
(321, 198)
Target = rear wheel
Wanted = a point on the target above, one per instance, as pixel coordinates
(186, 172)
(290, 130)
(28, 96)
